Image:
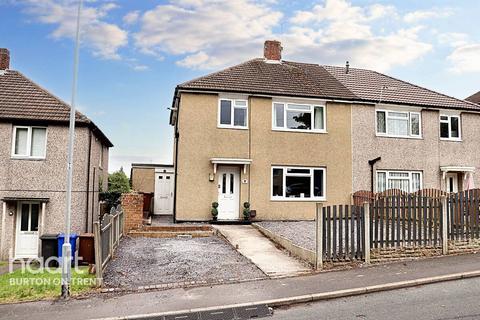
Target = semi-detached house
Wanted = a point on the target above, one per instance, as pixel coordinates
(34, 128)
(284, 135)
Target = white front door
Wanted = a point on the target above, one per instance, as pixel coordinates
(228, 179)
(27, 230)
(452, 182)
(163, 202)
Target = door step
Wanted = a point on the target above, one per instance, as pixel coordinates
(170, 234)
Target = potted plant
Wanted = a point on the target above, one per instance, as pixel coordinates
(214, 211)
(246, 211)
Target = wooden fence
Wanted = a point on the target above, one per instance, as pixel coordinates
(463, 215)
(394, 219)
(406, 220)
(107, 234)
(342, 229)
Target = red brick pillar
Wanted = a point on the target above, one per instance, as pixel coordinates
(132, 205)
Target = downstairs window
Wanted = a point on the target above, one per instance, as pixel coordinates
(298, 183)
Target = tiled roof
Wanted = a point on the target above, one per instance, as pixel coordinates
(312, 80)
(287, 78)
(22, 99)
(377, 87)
(474, 98)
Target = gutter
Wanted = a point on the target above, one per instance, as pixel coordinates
(356, 100)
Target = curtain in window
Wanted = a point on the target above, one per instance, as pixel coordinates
(381, 181)
(416, 181)
(318, 122)
(381, 124)
(38, 142)
(398, 124)
(21, 141)
(415, 124)
(279, 115)
(399, 180)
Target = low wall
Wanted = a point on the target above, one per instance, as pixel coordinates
(463, 246)
(299, 252)
(400, 253)
(132, 204)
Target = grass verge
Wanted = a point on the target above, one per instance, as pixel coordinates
(39, 284)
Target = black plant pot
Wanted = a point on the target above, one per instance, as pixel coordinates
(214, 218)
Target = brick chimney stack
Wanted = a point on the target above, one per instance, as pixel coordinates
(4, 59)
(272, 50)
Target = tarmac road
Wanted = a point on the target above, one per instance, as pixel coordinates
(458, 299)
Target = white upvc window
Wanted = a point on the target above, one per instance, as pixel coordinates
(398, 124)
(29, 142)
(299, 117)
(450, 127)
(233, 113)
(407, 181)
(298, 183)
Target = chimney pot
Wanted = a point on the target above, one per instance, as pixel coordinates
(4, 59)
(347, 67)
(272, 50)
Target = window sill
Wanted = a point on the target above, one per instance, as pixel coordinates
(231, 127)
(301, 131)
(298, 199)
(451, 139)
(398, 137)
(27, 158)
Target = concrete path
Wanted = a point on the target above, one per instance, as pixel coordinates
(106, 305)
(261, 251)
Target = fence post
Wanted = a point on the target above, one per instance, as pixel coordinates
(444, 225)
(319, 236)
(366, 235)
(98, 253)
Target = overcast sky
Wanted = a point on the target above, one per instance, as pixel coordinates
(134, 53)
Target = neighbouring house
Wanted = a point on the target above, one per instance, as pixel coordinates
(155, 181)
(34, 127)
(284, 135)
(475, 98)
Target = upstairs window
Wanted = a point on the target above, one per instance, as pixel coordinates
(299, 117)
(233, 113)
(398, 124)
(29, 142)
(450, 127)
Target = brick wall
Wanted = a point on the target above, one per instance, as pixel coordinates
(132, 204)
(393, 254)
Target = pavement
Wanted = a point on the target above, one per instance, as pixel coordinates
(449, 300)
(261, 251)
(273, 292)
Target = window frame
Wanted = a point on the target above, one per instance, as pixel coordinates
(409, 135)
(410, 178)
(311, 110)
(232, 113)
(310, 174)
(29, 143)
(449, 122)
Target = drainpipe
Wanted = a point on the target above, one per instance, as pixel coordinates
(372, 164)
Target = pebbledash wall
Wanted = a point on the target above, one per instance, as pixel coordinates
(47, 179)
(426, 154)
(200, 140)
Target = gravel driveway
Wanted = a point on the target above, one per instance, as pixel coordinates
(301, 233)
(149, 261)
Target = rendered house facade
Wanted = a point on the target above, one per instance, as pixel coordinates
(284, 135)
(33, 158)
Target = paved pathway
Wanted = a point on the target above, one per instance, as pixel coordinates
(261, 251)
(105, 305)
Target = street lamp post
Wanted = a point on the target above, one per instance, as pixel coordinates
(66, 249)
